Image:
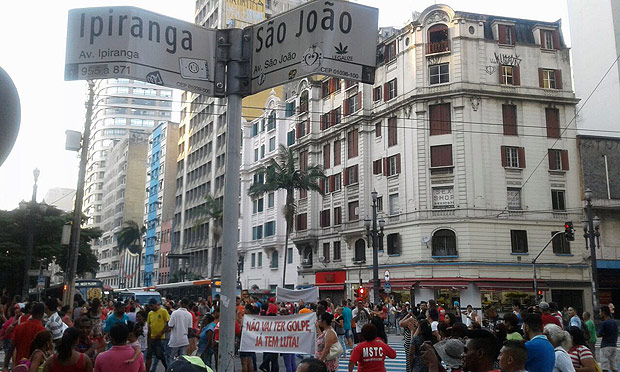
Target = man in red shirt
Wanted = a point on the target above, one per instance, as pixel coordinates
(25, 332)
(546, 315)
(370, 355)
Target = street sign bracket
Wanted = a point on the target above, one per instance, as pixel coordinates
(225, 39)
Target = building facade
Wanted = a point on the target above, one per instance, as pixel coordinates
(160, 190)
(462, 136)
(262, 225)
(123, 200)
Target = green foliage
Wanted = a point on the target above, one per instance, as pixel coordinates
(47, 232)
(130, 237)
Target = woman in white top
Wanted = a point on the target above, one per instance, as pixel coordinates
(561, 341)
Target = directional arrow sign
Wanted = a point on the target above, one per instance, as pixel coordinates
(335, 38)
(134, 43)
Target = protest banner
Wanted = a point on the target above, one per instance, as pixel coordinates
(291, 334)
(293, 295)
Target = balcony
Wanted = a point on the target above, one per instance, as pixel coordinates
(439, 47)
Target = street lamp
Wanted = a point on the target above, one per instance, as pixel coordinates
(34, 209)
(375, 235)
(591, 235)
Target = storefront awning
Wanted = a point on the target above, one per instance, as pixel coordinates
(442, 285)
(331, 287)
(521, 286)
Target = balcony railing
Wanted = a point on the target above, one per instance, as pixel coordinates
(439, 47)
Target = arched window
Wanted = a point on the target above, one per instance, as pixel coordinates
(444, 243)
(274, 260)
(438, 39)
(303, 102)
(360, 250)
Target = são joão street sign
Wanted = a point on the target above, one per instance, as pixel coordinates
(114, 42)
(334, 37)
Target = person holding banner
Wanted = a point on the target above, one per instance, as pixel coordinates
(326, 337)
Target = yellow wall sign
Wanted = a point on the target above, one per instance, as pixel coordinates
(242, 13)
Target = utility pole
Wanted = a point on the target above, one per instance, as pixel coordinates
(74, 247)
(591, 234)
(30, 240)
(534, 265)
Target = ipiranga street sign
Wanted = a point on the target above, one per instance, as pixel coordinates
(114, 42)
(333, 37)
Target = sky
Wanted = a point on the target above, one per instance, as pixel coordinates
(33, 38)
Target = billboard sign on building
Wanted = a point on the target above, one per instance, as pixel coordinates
(243, 13)
(128, 42)
(335, 38)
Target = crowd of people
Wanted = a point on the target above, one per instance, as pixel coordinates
(133, 337)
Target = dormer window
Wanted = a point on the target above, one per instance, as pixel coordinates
(506, 34)
(438, 41)
(550, 39)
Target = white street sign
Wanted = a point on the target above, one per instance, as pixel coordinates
(387, 275)
(334, 37)
(116, 42)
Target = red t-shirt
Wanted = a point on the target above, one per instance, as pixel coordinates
(370, 355)
(548, 318)
(442, 313)
(272, 309)
(24, 335)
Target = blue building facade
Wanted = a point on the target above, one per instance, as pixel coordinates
(153, 203)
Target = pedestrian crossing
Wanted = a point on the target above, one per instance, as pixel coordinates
(391, 365)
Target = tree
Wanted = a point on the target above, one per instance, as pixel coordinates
(47, 247)
(213, 210)
(130, 238)
(282, 173)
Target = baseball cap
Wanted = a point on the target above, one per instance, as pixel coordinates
(543, 305)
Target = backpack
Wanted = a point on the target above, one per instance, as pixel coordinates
(22, 366)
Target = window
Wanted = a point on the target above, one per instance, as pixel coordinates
(360, 251)
(441, 156)
(326, 252)
(509, 75)
(552, 117)
(352, 143)
(262, 151)
(337, 255)
(506, 34)
(289, 254)
(337, 152)
(253, 260)
(392, 132)
(325, 218)
(514, 198)
(274, 260)
(270, 200)
(337, 216)
(255, 129)
(389, 90)
(326, 152)
(302, 221)
(376, 94)
(303, 160)
(444, 243)
(303, 128)
(270, 228)
(257, 232)
(513, 157)
(272, 144)
(560, 244)
(549, 39)
(335, 182)
(394, 207)
(439, 74)
(440, 119)
(260, 259)
(352, 104)
(392, 165)
(378, 129)
(393, 244)
(389, 52)
(443, 197)
(376, 166)
(518, 241)
(558, 159)
(557, 200)
(351, 175)
(290, 109)
(259, 205)
(380, 203)
(303, 102)
(354, 211)
(509, 115)
(290, 138)
(438, 40)
(549, 79)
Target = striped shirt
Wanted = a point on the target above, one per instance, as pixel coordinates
(578, 353)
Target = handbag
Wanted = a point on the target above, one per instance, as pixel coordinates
(335, 351)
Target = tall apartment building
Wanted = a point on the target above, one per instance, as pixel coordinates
(262, 225)
(123, 108)
(462, 136)
(160, 190)
(202, 142)
(598, 124)
(123, 200)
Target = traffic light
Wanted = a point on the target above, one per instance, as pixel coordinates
(539, 295)
(64, 288)
(569, 231)
(361, 292)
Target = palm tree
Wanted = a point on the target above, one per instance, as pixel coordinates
(212, 209)
(130, 238)
(281, 173)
